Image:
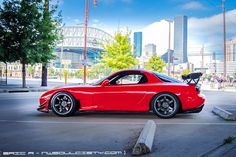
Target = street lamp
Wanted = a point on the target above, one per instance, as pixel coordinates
(224, 32)
(169, 40)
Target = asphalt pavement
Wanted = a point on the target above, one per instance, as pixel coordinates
(25, 130)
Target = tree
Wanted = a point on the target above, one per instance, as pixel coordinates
(7, 52)
(78, 74)
(31, 70)
(49, 35)
(51, 71)
(100, 70)
(185, 72)
(18, 24)
(29, 31)
(4, 54)
(155, 63)
(118, 53)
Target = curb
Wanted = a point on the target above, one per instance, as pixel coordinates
(224, 114)
(145, 140)
(220, 150)
(216, 90)
(23, 90)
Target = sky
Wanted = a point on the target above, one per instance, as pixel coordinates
(204, 18)
(138, 13)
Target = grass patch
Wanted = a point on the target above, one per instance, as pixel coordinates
(229, 139)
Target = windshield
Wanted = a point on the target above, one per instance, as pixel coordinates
(98, 81)
(166, 78)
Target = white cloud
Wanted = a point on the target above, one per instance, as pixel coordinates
(158, 34)
(209, 31)
(193, 5)
(76, 21)
(95, 20)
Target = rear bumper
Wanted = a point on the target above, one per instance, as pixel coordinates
(195, 110)
(195, 103)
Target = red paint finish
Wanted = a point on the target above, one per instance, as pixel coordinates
(128, 97)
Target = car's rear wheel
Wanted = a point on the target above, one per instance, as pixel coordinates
(63, 104)
(165, 105)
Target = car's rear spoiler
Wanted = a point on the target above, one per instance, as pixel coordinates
(192, 78)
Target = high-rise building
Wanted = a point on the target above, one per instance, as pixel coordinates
(149, 49)
(231, 50)
(164, 57)
(180, 39)
(137, 49)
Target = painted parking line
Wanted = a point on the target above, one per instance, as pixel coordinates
(118, 123)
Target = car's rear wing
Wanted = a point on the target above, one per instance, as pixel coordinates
(192, 78)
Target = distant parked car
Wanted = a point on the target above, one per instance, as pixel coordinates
(128, 90)
(36, 77)
(52, 77)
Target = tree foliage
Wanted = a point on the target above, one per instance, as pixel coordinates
(118, 53)
(50, 34)
(155, 63)
(185, 72)
(100, 70)
(31, 70)
(27, 33)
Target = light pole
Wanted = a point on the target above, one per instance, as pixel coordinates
(224, 30)
(169, 40)
(85, 38)
(85, 35)
(173, 58)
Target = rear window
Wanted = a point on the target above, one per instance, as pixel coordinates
(166, 78)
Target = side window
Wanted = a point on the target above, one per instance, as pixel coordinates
(130, 79)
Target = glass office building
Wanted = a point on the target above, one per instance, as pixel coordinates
(137, 49)
(180, 39)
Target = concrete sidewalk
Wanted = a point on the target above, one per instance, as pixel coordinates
(32, 85)
(16, 88)
(207, 87)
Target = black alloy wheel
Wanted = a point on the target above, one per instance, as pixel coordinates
(63, 104)
(165, 105)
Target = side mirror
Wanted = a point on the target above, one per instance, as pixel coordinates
(105, 82)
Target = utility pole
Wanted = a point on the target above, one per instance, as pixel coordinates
(214, 58)
(169, 47)
(85, 35)
(202, 53)
(173, 58)
(85, 38)
(224, 30)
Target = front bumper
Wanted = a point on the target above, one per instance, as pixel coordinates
(42, 108)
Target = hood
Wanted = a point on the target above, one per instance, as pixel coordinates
(73, 85)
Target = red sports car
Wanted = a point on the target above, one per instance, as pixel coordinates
(128, 90)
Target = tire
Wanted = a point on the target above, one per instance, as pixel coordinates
(63, 104)
(165, 105)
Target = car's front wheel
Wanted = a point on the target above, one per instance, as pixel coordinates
(63, 104)
(165, 105)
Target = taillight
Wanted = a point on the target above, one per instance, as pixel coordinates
(198, 87)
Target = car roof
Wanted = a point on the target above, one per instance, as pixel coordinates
(134, 70)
